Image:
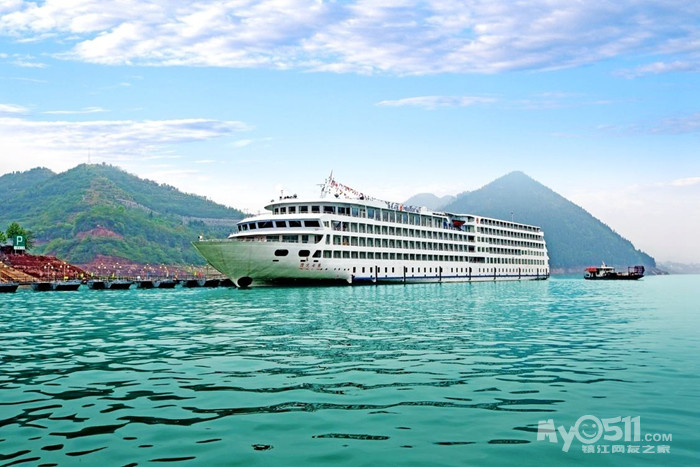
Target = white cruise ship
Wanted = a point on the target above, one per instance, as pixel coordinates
(347, 237)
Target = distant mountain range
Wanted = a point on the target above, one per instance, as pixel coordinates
(95, 211)
(575, 239)
(430, 201)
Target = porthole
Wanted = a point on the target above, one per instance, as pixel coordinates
(281, 252)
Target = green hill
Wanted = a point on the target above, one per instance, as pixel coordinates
(575, 239)
(94, 210)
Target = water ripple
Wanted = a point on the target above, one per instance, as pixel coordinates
(313, 375)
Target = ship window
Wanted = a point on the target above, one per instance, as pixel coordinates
(304, 239)
(280, 224)
(303, 209)
(315, 209)
(317, 254)
(294, 223)
(265, 225)
(281, 252)
(312, 224)
(290, 238)
(283, 210)
(292, 209)
(304, 253)
(272, 238)
(355, 212)
(346, 254)
(370, 255)
(329, 209)
(327, 254)
(244, 227)
(253, 226)
(336, 254)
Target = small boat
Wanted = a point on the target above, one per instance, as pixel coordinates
(167, 284)
(57, 286)
(117, 284)
(66, 285)
(605, 272)
(8, 287)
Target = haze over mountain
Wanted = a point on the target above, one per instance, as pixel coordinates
(575, 239)
(429, 200)
(101, 210)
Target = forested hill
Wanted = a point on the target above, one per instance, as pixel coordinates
(94, 210)
(575, 239)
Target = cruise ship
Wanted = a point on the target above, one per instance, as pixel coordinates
(347, 237)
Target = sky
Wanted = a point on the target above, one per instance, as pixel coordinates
(243, 100)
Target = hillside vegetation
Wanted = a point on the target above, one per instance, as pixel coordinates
(94, 210)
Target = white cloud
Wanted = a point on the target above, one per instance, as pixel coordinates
(363, 36)
(686, 124)
(84, 110)
(12, 109)
(688, 181)
(433, 102)
(661, 67)
(60, 145)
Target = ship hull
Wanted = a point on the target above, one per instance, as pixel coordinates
(255, 264)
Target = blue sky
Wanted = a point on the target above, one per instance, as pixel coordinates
(598, 100)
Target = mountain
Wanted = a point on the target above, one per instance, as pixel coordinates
(575, 239)
(101, 210)
(680, 268)
(429, 200)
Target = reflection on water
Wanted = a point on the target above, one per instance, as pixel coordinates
(432, 373)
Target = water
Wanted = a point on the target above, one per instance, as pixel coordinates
(449, 374)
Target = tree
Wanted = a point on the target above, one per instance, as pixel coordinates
(3, 238)
(15, 229)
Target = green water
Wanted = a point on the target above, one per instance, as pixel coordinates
(451, 374)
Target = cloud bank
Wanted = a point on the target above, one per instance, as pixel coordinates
(60, 145)
(401, 37)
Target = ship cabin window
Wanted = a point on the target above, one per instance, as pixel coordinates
(281, 224)
(283, 210)
(312, 224)
(343, 211)
(329, 209)
(316, 209)
(276, 211)
(253, 226)
(303, 209)
(326, 253)
(290, 238)
(370, 213)
(243, 227)
(265, 225)
(355, 211)
(294, 224)
(317, 254)
(292, 209)
(304, 253)
(281, 252)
